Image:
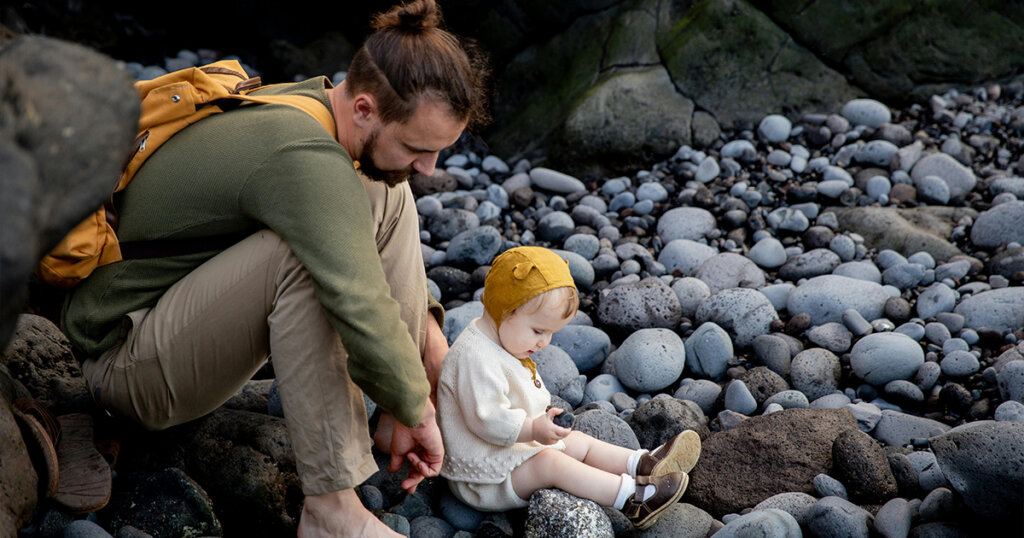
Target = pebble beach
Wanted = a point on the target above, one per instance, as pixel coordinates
(834, 302)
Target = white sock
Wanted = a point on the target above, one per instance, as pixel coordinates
(634, 461)
(626, 490)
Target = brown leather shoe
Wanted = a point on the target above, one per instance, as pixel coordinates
(679, 454)
(669, 488)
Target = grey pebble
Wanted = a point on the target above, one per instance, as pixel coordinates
(959, 364)
(703, 392)
(815, 372)
(744, 312)
(937, 505)
(936, 333)
(764, 522)
(900, 429)
(1000, 309)
(913, 330)
(556, 182)
(903, 390)
(788, 399)
(855, 322)
(825, 298)
(602, 387)
(739, 399)
(861, 270)
(834, 516)
(685, 223)
(893, 519)
(883, 357)
(690, 292)
(832, 336)
(867, 415)
(778, 294)
(832, 400)
(727, 270)
(81, 528)
(827, 486)
(708, 351)
(1010, 411)
(650, 359)
(927, 375)
(929, 475)
(936, 299)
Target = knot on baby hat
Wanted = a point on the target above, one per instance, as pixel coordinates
(520, 274)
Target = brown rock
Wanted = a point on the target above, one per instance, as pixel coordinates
(763, 456)
(863, 468)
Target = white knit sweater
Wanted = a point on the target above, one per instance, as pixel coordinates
(483, 396)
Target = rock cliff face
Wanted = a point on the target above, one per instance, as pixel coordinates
(608, 86)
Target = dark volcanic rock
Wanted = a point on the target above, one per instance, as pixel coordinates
(57, 99)
(783, 450)
(862, 467)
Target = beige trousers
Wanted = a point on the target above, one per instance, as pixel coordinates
(211, 331)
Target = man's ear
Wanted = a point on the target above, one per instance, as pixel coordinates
(364, 110)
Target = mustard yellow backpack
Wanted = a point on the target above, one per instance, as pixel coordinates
(169, 104)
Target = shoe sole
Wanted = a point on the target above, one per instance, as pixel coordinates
(683, 456)
(653, 516)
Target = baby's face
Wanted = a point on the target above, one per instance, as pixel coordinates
(525, 333)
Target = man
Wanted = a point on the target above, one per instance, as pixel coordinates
(328, 280)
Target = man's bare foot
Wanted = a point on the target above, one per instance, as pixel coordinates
(339, 513)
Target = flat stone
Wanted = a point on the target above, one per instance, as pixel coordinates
(901, 429)
(727, 270)
(999, 309)
(556, 182)
(825, 298)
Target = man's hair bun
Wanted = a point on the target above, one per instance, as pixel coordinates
(413, 17)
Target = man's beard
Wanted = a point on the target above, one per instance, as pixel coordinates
(370, 169)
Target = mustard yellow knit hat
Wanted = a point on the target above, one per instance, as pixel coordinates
(520, 274)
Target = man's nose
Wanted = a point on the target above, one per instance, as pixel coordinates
(425, 165)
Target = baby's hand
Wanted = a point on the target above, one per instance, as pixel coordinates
(545, 431)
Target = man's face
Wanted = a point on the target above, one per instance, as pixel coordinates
(394, 151)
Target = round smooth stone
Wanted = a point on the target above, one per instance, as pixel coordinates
(933, 189)
(959, 364)
(826, 486)
(868, 112)
(878, 185)
(654, 192)
(883, 357)
(703, 392)
(788, 399)
(775, 128)
(927, 375)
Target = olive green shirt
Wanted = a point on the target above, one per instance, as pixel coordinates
(261, 166)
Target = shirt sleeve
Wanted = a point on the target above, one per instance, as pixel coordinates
(308, 193)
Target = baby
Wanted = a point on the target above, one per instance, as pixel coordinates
(500, 442)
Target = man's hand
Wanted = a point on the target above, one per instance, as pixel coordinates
(421, 445)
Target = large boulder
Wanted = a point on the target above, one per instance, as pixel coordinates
(984, 462)
(243, 460)
(710, 49)
(784, 450)
(67, 118)
(625, 120)
(888, 47)
(906, 231)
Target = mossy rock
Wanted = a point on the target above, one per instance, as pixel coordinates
(737, 64)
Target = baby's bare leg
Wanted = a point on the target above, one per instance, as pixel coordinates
(554, 468)
(597, 453)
